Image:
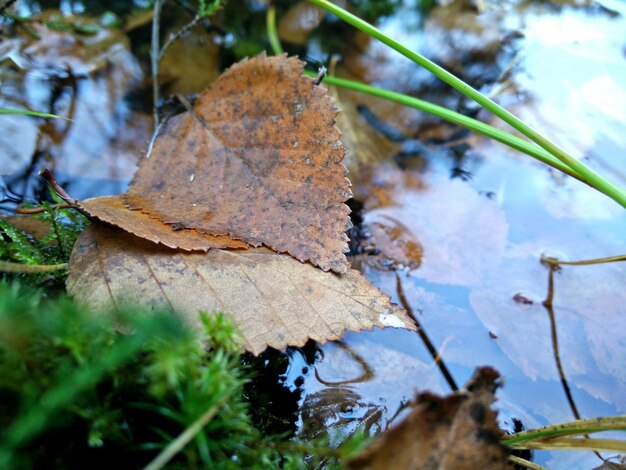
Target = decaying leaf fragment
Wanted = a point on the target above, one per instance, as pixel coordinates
(443, 433)
(112, 210)
(258, 158)
(273, 299)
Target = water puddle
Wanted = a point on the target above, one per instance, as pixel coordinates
(462, 233)
(453, 226)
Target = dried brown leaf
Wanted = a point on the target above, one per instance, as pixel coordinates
(273, 299)
(367, 145)
(257, 159)
(113, 210)
(35, 227)
(443, 433)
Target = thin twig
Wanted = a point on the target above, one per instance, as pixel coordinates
(39, 210)
(180, 33)
(548, 305)
(154, 58)
(321, 73)
(526, 463)
(57, 188)
(427, 342)
(186, 436)
(8, 267)
(557, 262)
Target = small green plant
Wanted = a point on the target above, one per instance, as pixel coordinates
(76, 392)
(33, 258)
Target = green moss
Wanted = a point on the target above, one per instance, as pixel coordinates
(77, 393)
(19, 246)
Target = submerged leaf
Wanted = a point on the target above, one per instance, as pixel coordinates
(273, 299)
(444, 227)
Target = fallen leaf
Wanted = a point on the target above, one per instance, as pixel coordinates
(589, 314)
(257, 159)
(35, 227)
(367, 145)
(359, 383)
(273, 299)
(113, 210)
(456, 431)
(191, 61)
(396, 246)
(337, 412)
(443, 226)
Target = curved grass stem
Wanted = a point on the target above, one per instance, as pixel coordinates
(585, 173)
(444, 113)
(272, 33)
(456, 118)
(578, 427)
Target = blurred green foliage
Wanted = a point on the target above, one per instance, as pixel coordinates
(75, 392)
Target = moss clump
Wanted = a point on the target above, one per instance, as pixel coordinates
(77, 393)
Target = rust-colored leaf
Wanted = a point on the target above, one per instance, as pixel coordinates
(258, 158)
(443, 433)
(111, 209)
(273, 299)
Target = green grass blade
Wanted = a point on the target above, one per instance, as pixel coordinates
(444, 113)
(272, 34)
(178, 444)
(611, 445)
(585, 173)
(25, 112)
(456, 118)
(578, 427)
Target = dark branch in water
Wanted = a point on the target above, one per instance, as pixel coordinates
(155, 55)
(367, 375)
(427, 342)
(553, 266)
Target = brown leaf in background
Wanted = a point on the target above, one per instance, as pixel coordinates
(35, 227)
(367, 145)
(273, 299)
(258, 159)
(112, 210)
(298, 23)
(443, 433)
